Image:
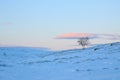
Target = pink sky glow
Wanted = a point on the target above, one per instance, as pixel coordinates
(75, 35)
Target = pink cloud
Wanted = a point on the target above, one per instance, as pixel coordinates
(89, 35)
(75, 35)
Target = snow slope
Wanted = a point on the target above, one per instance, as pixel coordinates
(101, 62)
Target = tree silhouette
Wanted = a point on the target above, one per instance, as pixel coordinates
(83, 41)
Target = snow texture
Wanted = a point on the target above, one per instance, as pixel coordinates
(101, 62)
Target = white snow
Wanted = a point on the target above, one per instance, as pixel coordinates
(101, 62)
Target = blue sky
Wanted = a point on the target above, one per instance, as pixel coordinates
(37, 22)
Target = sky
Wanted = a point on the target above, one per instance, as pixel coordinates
(37, 22)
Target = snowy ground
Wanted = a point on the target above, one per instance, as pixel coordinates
(101, 62)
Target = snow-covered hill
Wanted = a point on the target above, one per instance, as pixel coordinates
(101, 62)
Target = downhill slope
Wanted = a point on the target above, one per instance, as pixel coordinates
(101, 62)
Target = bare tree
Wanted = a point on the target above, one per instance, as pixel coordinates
(83, 41)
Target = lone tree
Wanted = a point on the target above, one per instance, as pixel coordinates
(83, 41)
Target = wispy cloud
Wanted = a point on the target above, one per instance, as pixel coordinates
(108, 36)
(75, 35)
(90, 35)
(6, 23)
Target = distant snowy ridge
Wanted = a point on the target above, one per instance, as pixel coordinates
(20, 54)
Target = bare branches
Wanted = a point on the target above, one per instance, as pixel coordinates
(83, 41)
